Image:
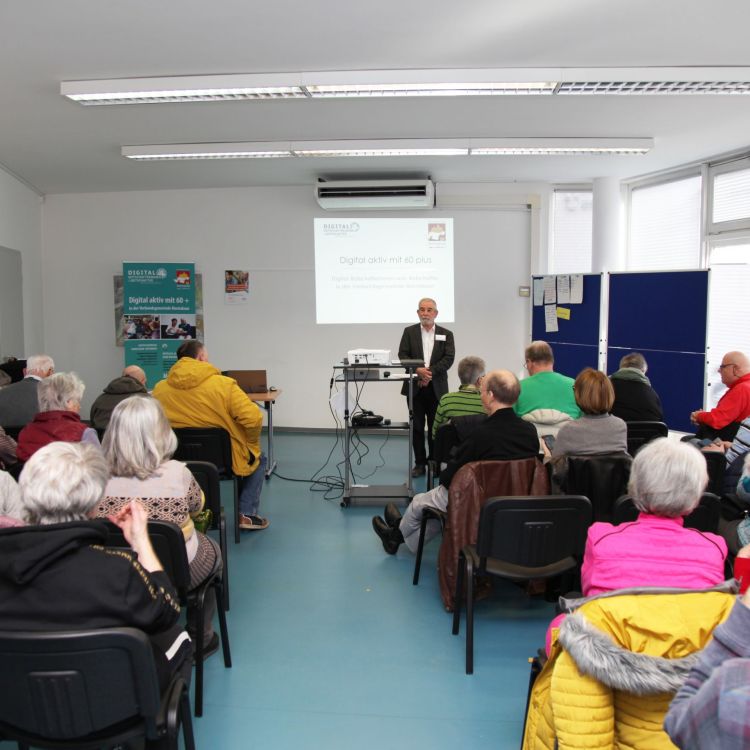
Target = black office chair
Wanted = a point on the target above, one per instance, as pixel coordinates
(716, 464)
(85, 689)
(169, 544)
(214, 445)
(705, 516)
(640, 433)
(602, 478)
(207, 476)
(519, 539)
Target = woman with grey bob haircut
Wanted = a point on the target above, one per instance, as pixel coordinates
(668, 478)
(139, 439)
(58, 418)
(63, 482)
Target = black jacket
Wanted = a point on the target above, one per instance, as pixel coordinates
(118, 390)
(636, 401)
(443, 354)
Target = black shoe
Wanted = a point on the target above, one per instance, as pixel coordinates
(210, 648)
(391, 538)
(418, 470)
(392, 515)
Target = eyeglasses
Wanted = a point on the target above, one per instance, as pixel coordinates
(728, 364)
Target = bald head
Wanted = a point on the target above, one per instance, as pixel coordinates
(733, 366)
(135, 372)
(500, 389)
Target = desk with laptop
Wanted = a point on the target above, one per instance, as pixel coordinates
(255, 384)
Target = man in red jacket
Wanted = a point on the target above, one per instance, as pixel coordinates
(724, 419)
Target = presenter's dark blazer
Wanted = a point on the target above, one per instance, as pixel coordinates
(18, 402)
(443, 354)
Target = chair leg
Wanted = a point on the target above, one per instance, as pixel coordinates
(235, 489)
(420, 548)
(459, 592)
(218, 585)
(199, 601)
(469, 617)
(224, 560)
(187, 722)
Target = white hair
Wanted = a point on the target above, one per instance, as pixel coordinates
(55, 391)
(39, 364)
(667, 478)
(139, 438)
(63, 482)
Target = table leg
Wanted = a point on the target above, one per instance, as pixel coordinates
(271, 463)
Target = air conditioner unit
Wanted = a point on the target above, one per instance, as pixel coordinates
(373, 195)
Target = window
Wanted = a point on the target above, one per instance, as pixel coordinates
(665, 226)
(570, 246)
(730, 196)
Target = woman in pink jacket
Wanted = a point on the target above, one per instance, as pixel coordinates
(667, 480)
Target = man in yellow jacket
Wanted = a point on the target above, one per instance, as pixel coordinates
(196, 394)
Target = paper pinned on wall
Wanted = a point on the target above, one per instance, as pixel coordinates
(550, 318)
(576, 289)
(563, 313)
(549, 290)
(538, 292)
(563, 289)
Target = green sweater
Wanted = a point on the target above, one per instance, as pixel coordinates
(547, 390)
(466, 400)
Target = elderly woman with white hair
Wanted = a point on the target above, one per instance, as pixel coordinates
(57, 573)
(667, 480)
(138, 445)
(58, 418)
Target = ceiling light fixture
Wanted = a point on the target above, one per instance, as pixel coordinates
(393, 148)
(409, 83)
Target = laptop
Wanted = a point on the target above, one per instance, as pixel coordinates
(251, 381)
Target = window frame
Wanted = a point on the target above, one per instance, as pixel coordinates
(713, 170)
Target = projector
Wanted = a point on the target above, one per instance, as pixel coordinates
(369, 356)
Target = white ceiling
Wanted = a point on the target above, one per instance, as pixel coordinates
(58, 146)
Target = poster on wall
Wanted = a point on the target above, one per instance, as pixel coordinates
(236, 287)
(158, 314)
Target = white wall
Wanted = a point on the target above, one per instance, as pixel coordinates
(270, 232)
(21, 230)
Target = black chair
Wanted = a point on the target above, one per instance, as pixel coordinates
(447, 438)
(207, 476)
(640, 433)
(519, 539)
(169, 544)
(214, 445)
(84, 689)
(428, 514)
(14, 430)
(705, 517)
(602, 478)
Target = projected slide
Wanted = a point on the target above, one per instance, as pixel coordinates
(376, 270)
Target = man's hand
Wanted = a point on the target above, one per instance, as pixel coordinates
(693, 416)
(424, 374)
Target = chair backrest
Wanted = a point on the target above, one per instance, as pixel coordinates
(66, 685)
(207, 476)
(534, 531)
(211, 444)
(705, 516)
(168, 542)
(602, 478)
(640, 433)
(13, 430)
(716, 464)
(446, 439)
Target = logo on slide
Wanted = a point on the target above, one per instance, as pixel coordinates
(340, 227)
(436, 232)
(182, 277)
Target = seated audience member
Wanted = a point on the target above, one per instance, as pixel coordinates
(736, 532)
(138, 446)
(502, 436)
(635, 399)
(196, 394)
(18, 401)
(5, 379)
(58, 416)
(667, 480)
(467, 399)
(597, 431)
(130, 383)
(7, 449)
(11, 507)
(712, 709)
(734, 453)
(57, 573)
(724, 419)
(546, 397)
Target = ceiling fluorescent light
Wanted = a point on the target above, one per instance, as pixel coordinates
(352, 152)
(561, 146)
(176, 151)
(409, 83)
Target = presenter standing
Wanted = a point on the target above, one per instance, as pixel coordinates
(433, 345)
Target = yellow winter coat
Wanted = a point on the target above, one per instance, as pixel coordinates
(615, 668)
(196, 394)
